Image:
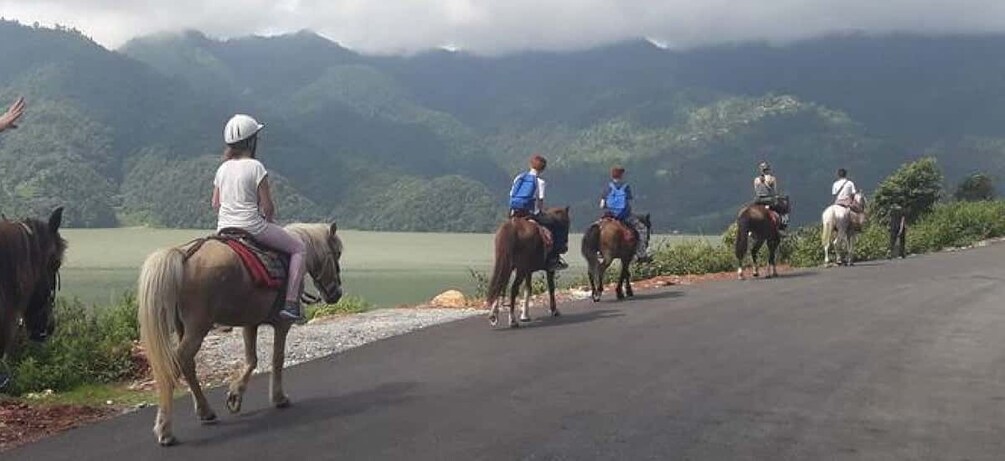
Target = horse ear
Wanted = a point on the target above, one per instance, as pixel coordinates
(56, 219)
(333, 228)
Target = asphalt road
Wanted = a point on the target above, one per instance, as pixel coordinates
(899, 360)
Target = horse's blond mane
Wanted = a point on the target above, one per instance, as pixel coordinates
(315, 238)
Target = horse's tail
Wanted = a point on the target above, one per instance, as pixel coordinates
(158, 295)
(742, 231)
(505, 246)
(591, 243)
(827, 230)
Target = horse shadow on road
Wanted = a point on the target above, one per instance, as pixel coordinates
(254, 424)
(652, 296)
(571, 319)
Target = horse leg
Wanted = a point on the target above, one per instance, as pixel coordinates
(754, 250)
(494, 311)
(513, 291)
(525, 309)
(279, 332)
(619, 289)
(190, 343)
(772, 249)
(552, 306)
(162, 423)
(626, 277)
(237, 387)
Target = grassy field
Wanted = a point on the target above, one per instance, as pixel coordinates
(385, 268)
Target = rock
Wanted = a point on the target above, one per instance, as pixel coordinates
(450, 298)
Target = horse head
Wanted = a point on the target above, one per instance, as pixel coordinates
(38, 317)
(324, 251)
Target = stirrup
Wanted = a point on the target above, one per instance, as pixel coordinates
(296, 317)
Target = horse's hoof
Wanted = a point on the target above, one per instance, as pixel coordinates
(525, 319)
(630, 294)
(493, 320)
(167, 441)
(556, 313)
(234, 402)
(514, 325)
(282, 403)
(208, 420)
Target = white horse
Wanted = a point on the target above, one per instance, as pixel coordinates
(841, 226)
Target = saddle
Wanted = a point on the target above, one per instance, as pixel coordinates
(627, 233)
(268, 268)
(546, 235)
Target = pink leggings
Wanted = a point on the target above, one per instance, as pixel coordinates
(277, 238)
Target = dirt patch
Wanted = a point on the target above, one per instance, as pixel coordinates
(21, 423)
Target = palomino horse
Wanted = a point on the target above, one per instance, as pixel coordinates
(187, 292)
(840, 229)
(760, 223)
(604, 242)
(520, 247)
(31, 252)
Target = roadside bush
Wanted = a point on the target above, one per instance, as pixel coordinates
(690, 257)
(346, 305)
(956, 225)
(89, 346)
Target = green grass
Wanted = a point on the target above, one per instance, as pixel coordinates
(96, 395)
(385, 268)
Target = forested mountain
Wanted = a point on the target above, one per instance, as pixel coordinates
(430, 142)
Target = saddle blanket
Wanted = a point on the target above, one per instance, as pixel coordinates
(268, 268)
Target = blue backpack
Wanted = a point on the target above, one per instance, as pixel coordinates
(523, 194)
(617, 200)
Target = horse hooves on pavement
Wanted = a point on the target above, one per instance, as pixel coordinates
(493, 320)
(556, 313)
(525, 319)
(234, 402)
(209, 420)
(284, 403)
(514, 325)
(167, 441)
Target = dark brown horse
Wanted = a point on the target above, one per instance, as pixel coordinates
(521, 247)
(604, 242)
(31, 252)
(761, 224)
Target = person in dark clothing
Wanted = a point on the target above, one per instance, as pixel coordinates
(898, 232)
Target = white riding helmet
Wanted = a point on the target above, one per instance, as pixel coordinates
(239, 128)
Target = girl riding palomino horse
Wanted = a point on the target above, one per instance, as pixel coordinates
(183, 291)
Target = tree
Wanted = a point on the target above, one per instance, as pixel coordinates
(915, 186)
(975, 188)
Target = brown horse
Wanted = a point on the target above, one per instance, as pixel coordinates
(604, 242)
(760, 223)
(187, 292)
(520, 247)
(31, 252)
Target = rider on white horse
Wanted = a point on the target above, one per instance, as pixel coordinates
(844, 191)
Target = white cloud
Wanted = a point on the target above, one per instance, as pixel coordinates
(499, 26)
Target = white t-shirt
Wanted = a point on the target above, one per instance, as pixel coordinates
(238, 182)
(843, 189)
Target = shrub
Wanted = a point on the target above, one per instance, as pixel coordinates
(346, 305)
(975, 188)
(89, 345)
(956, 225)
(690, 257)
(916, 186)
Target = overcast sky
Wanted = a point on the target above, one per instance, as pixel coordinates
(500, 26)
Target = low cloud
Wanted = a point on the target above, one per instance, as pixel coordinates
(496, 27)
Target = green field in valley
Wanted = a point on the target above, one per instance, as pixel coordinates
(385, 268)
